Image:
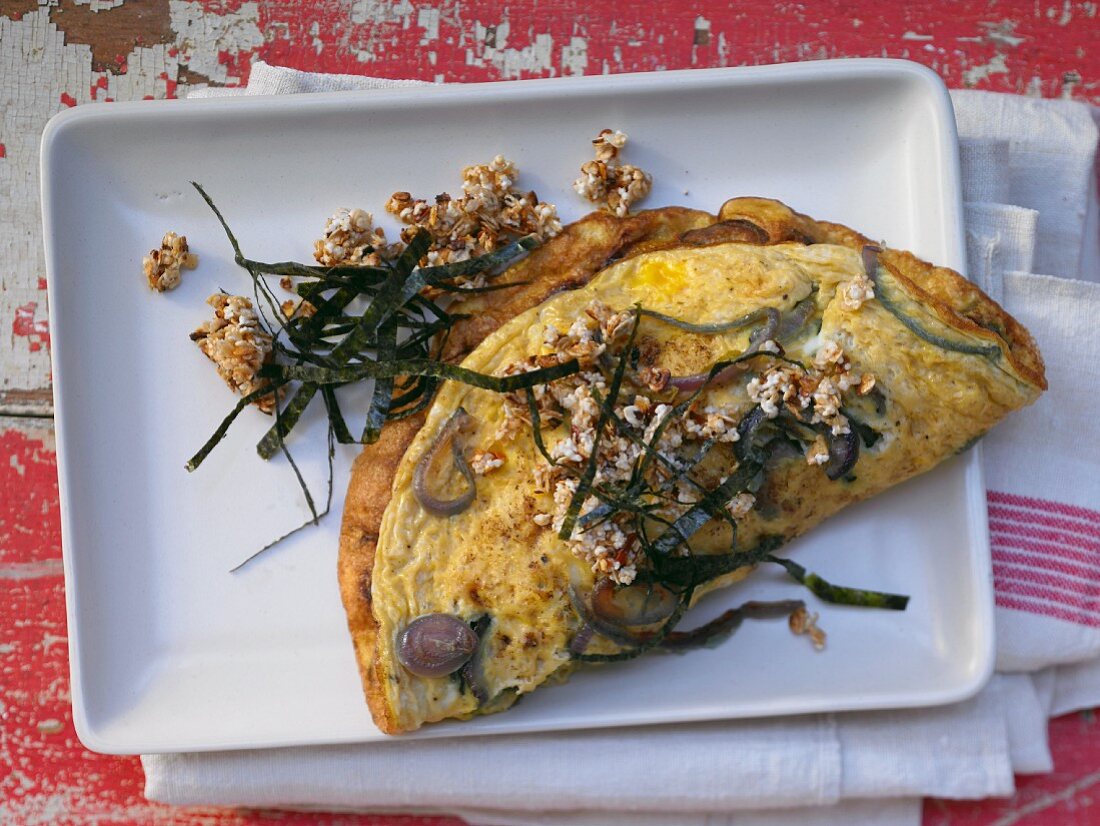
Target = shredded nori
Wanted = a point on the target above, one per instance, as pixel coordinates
(840, 594)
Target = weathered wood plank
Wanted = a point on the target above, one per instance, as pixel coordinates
(57, 53)
(78, 51)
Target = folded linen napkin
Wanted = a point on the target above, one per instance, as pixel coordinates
(1028, 181)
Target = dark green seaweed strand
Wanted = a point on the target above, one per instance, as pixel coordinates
(838, 594)
(488, 288)
(922, 332)
(379, 310)
(420, 367)
(700, 568)
(289, 416)
(473, 266)
(703, 511)
(222, 428)
(221, 220)
(585, 482)
(394, 293)
(638, 487)
(294, 465)
(382, 395)
(536, 425)
(336, 418)
(309, 522)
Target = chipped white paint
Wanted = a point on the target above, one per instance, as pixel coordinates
(489, 47)
(381, 11)
(39, 76)
(428, 20)
(100, 5)
(30, 570)
(202, 36)
(1002, 33)
(996, 66)
(574, 57)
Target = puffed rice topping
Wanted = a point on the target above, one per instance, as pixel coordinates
(351, 238)
(238, 346)
(609, 183)
(162, 266)
(491, 213)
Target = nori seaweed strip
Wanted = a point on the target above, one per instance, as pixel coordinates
(589, 474)
(291, 413)
(392, 294)
(237, 256)
(335, 417)
(220, 432)
(700, 568)
(488, 288)
(309, 522)
(637, 487)
(382, 395)
(472, 266)
(419, 367)
(378, 311)
(839, 594)
(536, 426)
(703, 511)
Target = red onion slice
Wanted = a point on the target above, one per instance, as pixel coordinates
(689, 384)
(460, 421)
(642, 604)
(869, 253)
(843, 454)
(435, 645)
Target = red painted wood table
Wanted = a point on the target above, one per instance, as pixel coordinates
(57, 53)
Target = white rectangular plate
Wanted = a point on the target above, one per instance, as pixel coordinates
(171, 652)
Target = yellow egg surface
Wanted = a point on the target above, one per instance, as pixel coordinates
(501, 563)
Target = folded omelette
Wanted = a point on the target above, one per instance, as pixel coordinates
(739, 378)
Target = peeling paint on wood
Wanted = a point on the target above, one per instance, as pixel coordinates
(149, 48)
(58, 53)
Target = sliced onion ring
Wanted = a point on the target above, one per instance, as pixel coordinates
(641, 604)
(869, 254)
(460, 421)
(689, 384)
(843, 454)
(435, 645)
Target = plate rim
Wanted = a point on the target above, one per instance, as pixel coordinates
(427, 95)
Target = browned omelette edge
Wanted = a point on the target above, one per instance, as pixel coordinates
(589, 245)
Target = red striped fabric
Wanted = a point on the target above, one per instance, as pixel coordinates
(1046, 557)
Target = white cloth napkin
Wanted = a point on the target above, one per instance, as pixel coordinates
(1030, 191)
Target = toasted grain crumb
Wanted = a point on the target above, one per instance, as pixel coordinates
(485, 461)
(351, 238)
(803, 622)
(162, 266)
(609, 183)
(490, 213)
(238, 346)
